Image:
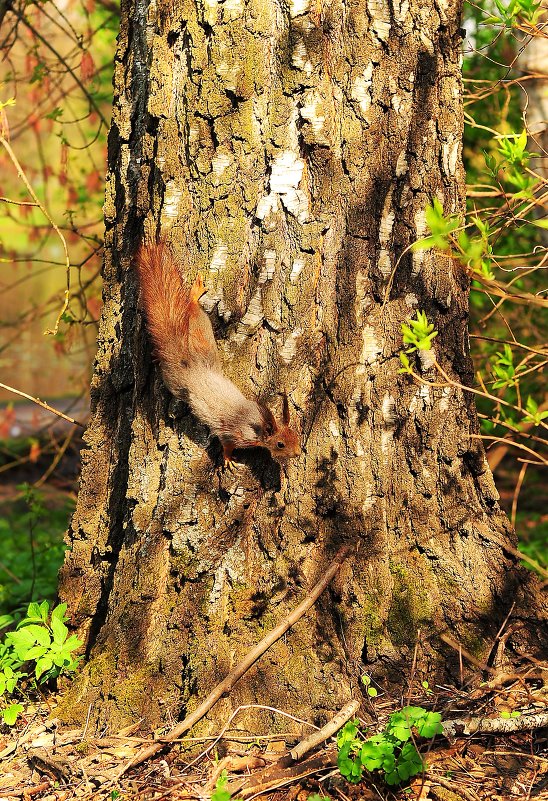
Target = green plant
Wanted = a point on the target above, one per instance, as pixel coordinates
(371, 691)
(392, 751)
(318, 797)
(515, 12)
(31, 533)
(418, 335)
(40, 644)
(220, 793)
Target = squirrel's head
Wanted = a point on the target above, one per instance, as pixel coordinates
(281, 440)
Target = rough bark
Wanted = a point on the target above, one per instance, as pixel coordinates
(288, 151)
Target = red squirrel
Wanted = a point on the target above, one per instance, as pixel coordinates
(185, 345)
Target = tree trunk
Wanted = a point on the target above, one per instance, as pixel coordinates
(288, 151)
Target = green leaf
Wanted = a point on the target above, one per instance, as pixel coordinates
(33, 611)
(44, 610)
(5, 620)
(43, 664)
(37, 651)
(60, 631)
(430, 726)
(11, 713)
(59, 613)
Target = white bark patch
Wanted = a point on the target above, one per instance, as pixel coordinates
(230, 75)
(287, 172)
(298, 7)
(334, 429)
(172, 200)
(450, 154)
(401, 9)
(211, 8)
(420, 228)
(289, 347)
(380, 17)
(427, 359)
(252, 319)
(296, 270)
(220, 162)
(369, 501)
(411, 300)
(424, 393)
(401, 164)
(371, 349)
(361, 88)
(385, 233)
(389, 411)
(310, 110)
(267, 205)
(299, 58)
(385, 263)
(444, 402)
(232, 9)
(269, 266)
(218, 260)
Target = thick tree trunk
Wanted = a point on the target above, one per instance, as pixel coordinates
(288, 151)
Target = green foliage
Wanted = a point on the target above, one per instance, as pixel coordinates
(392, 751)
(503, 369)
(39, 649)
(31, 532)
(418, 335)
(515, 12)
(371, 691)
(318, 797)
(441, 228)
(220, 793)
(533, 415)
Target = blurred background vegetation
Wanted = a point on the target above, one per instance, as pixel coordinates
(55, 105)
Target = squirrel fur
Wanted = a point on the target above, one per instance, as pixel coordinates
(185, 346)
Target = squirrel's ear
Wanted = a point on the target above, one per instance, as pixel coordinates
(270, 425)
(285, 409)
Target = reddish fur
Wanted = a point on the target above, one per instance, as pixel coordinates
(185, 345)
(166, 303)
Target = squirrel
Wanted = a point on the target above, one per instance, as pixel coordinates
(185, 346)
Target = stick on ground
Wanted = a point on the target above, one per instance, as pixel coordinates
(236, 673)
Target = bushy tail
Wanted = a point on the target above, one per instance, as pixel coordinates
(166, 301)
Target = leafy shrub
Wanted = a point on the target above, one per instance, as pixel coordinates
(38, 650)
(392, 751)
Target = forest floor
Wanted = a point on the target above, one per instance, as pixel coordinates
(43, 761)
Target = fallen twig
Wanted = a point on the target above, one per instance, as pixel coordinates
(526, 722)
(236, 673)
(330, 728)
(280, 774)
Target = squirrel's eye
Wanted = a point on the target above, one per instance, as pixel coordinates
(281, 445)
